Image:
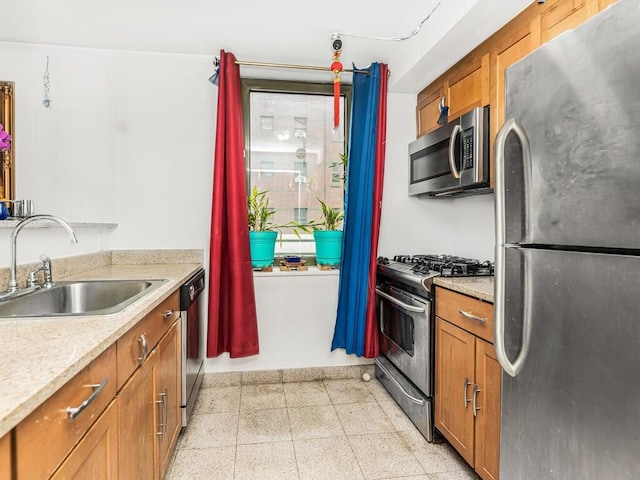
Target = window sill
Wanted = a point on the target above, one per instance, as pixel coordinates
(312, 272)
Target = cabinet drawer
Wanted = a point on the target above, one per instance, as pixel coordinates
(451, 305)
(144, 336)
(48, 434)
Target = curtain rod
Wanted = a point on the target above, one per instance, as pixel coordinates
(216, 63)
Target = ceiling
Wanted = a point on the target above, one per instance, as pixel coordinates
(281, 31)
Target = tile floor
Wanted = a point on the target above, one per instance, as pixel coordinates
(319, 430)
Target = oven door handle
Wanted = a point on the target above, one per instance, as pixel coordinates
(416, 400)
(394, 300)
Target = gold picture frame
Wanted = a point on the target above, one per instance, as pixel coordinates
(7, 181)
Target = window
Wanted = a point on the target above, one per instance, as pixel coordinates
(292, 150)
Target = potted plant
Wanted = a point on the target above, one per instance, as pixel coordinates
(262, 233)
(327, 236)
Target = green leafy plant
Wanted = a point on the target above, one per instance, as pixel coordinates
(343, 164)
(260, 215)
(331, 218)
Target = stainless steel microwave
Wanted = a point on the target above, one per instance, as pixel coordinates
(452, 160)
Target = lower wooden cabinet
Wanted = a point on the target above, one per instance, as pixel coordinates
(119, 418)
(93, 458)
(6, 464)
(168, 390)
(151, 399)
(137, 428)
(467, 383)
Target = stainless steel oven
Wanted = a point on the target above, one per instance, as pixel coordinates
(404, 297)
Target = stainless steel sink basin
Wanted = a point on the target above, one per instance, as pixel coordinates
(91, 297)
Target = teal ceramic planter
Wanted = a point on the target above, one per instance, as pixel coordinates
(328, 247)
(263, 247)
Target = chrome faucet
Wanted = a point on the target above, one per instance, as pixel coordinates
(13, 282)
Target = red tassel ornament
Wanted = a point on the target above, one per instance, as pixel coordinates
(336, 68)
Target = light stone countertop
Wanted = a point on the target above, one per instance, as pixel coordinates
(478, 287)
(38, 356)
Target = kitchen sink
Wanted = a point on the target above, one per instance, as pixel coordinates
(90, 297)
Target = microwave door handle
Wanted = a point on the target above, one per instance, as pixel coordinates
(452, 151)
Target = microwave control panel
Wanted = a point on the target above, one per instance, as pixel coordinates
(467, 149)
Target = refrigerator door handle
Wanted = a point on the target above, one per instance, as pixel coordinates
(511, 126)
(457, 130)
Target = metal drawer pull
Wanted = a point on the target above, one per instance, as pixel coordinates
(464, 392)
(145, 349)
(475, 395)
(406, 306)
(168, 313)
(418, 401)
(97, 388)
(472, 316)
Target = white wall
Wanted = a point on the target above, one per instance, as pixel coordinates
(410, 225)
(129, 139)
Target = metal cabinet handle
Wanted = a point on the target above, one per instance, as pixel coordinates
(406, 306)
(464, 392)
(97, 388)
(452, 153)
(511, 368)
(472, 316)
(163, 403)
(167, 313)
(475, 395)
(145, 349)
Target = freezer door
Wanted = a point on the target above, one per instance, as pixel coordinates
(572, 411)
(578, 102)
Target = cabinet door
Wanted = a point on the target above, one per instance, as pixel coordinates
(95, 457)
(454, 378)
(561, 15)
(5, 457)
(137, 426)
(168, 392)
(467, 85)
(428, 110)
(487, 401)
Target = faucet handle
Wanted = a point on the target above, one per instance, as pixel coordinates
(46, 268)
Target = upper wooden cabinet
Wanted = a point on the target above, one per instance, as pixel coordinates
(479, 78)
(462, 88)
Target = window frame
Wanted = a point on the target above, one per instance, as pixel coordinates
(249, 85)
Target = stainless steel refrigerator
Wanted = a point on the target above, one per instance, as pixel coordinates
(567, 311)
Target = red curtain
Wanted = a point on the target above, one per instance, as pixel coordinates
(233, 325)
(371, 346)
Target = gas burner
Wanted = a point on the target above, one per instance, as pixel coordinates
(451, 266)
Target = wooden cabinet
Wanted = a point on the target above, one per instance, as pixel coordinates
(52, 430)
(168, 389)
(93, 457)
(118, 418)
(152, 397)
(6, 464)
(478, 79)
(467, 380)
(463, 88)
(138, 428)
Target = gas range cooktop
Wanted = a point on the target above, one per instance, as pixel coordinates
(426, 266)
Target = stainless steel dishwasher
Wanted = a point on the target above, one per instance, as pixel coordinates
(192, 355)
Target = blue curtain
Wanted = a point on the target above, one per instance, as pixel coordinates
(350, 326)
